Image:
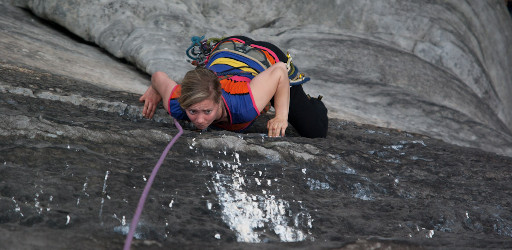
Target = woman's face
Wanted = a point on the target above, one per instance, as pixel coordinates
(203, 113)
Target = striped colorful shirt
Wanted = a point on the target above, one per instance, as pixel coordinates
(236, 65)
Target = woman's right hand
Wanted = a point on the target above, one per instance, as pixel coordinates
(277, 126)
(150, 99)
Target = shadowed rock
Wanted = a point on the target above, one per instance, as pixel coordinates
(71, 176)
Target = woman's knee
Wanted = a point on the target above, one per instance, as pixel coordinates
(280, 66)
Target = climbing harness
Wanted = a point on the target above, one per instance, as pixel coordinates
(142, 200)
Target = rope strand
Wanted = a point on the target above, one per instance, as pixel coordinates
(142, 200)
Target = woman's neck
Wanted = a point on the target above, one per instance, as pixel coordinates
(223, 116)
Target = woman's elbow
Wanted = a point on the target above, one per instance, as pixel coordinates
(280, 71)
(159, 76)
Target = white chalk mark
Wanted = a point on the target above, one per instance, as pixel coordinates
(317, 185)
(430, 234)
(85, 186)
(17, 207)
(104, 192)
(246, 213)
(37, 205)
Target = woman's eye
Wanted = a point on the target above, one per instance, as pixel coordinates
(207, 112)
(192, 112)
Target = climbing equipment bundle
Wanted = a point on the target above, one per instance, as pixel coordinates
(234, 56)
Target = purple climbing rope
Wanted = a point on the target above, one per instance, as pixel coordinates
(142, 200)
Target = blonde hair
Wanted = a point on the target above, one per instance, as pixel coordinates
(198, 85)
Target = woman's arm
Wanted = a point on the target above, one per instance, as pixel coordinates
(160, 90)
(273, 82)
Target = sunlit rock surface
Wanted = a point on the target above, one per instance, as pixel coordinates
(440, 68)
(75, 156)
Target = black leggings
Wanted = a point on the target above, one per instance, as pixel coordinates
(307, 115)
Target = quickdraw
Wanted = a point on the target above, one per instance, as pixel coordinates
(200, 49)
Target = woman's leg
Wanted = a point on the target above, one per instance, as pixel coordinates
(307, 115)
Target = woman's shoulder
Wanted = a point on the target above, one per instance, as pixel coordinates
(176, 92)
(175, 109)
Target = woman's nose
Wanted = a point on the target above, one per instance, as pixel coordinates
(200, 119)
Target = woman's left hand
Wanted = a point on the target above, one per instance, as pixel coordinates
(277, 126)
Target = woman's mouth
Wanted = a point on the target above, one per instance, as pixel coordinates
(201, 127)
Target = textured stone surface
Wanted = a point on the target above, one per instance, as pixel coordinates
(75, 156)
(71, 173)
(438, 67)
(28, 40)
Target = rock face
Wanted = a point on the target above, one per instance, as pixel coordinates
(75, 156)
(72, 170)
(33, 42)
(440, 68)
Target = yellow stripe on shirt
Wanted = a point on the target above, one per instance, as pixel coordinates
(235, 64)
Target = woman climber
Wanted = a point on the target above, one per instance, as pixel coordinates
(240, 78)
